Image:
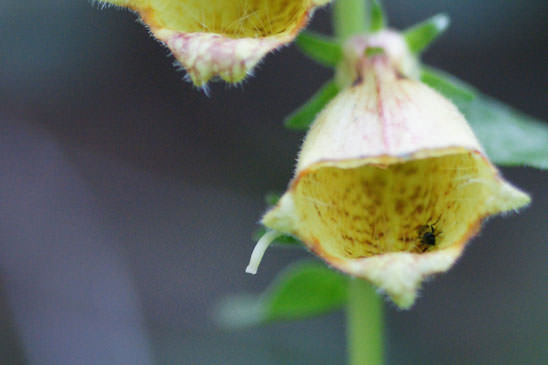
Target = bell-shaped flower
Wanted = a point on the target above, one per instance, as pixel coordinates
(224, 38)
(391, 182)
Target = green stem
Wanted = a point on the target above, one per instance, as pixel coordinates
(350, 17)
(364, 309)
(364, 324)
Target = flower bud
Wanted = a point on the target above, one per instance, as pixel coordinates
(391, 182)
(224, 38)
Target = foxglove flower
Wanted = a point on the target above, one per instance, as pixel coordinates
(224, 38)
(391, 182)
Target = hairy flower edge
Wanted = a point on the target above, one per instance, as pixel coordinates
(226, 39)
(399, 264)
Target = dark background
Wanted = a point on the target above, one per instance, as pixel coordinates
(127, 198)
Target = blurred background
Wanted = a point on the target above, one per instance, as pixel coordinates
(128, 198)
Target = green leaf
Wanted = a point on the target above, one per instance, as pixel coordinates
(421, 35)
(377, 16)
(324, 50)
(447, 85)
(374, 51)
(509, 137)
(305, 115)
(238, 311)
(271, 198)
(305, 289)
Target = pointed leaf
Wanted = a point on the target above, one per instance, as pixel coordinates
(239, 311)
(509, 137)
(322, 49)
(305, 289)
(271, 198)
(447, 85)
(305, 115)
(420, 36)
(378, 21)
(374, 51)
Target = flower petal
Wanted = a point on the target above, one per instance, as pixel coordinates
(224, 38)
(206, 55)
(391, 183)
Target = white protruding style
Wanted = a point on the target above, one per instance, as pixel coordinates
(259, 250)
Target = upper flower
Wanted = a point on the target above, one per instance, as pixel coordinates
(391, 182)
(224, 38)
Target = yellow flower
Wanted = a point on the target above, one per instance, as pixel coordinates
(391, 182)
(224, 38)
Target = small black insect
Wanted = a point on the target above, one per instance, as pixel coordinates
(428, 236)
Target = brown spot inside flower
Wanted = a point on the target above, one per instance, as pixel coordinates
(377, 216)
